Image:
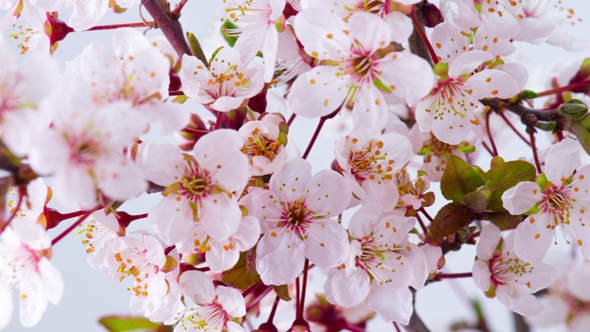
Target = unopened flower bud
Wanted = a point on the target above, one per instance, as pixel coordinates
(573, 109)
(431, 15)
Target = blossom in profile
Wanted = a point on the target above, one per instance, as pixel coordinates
(500, 273)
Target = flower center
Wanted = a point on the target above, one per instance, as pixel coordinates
(556, 200)
(259, 145)
(508, 268)
(196, 183)
(370, 162)
(296, 213)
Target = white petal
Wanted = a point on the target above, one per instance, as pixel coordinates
(326, 244)
(350, 290)
(279, 257)
(231, 301)
(521, 198)
(197, 286)
(392, 304)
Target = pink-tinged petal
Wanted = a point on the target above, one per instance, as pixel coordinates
(269, 50)
(172, 117)
(32, 302)
(231, 301)
(264, 205)
(468, 62)
(248, 233)
(74, 185)
(491, 83)
(52, 281)
(534, 30)
(196, 78)
(496, 45)
(400, 26)
(87, 13)
(411, 76)
(418, 262)
(561, 161)
(516, 71)
(48, 153)
(577, 282)
(227, 103)
(233, 327)
(327, 193)
(318, 92)
(488, 242)
(279, 256)
(220, 257)
(326, 244)
(171, 219)
(120, 179)
(128, 41)
(433, 254)
(197, 286)
(518, 299)
(521, 198)
(219, 152)
(161, 164)
(448, 42)
(364, 220)
(482, 276)
(370, 108)
(220, 216)
(155, 252)
(359, 23)
(290, 180)
(251, 41)
(322, 34)
(384, 193)
(532, 237)
(349, 290)
(7, 306)
(392, 304)
(544, 276)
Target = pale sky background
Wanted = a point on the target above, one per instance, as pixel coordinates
(89, 294)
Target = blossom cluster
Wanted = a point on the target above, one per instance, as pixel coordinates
(240, 211)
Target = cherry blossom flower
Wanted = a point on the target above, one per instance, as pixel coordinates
(296, 216)
(498, 271)
(449, 111)
(560, 199)
(137, 72)
(226, 84)
(369, 161)
(354, 67)
(215, 308)
(264, 145)
(381, 266)
(25, 250)
(567, 301)
(83, 150)
(258, 22)
(98, 230)
(200, 188)
(394, 13)
(23, 88)
(156, 292)
(411, 191)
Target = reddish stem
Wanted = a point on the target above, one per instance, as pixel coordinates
(275, 305)
(218, 121)
(487, 148)
(396, 327)
(454, 275)
(531, 132)
(251, 289)
(303, 291)
(124, 25)
(353, 328)
(494, 149)
(179, 7)
(72, 227)
(563, 88)
(424, 229)
(176, 93)
(168, 23)
(514, 128)
(424, 37)
(290, 121)
(314, 137)
(259, 298)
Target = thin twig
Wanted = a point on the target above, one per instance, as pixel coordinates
(170, 26)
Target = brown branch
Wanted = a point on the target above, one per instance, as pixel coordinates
(170, 26)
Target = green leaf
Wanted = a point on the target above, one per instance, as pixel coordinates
(283, 292)
(476, 201)
(240, 276)
(131, 323)
(505, 176)
(582, 134)
(505, 220)
(180, 99)
(196, 48)
(459, 179)
(528, 94)
(450, 219)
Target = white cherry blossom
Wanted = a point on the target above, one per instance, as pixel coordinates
(297, 217)
(500, 273)
(562, 201)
